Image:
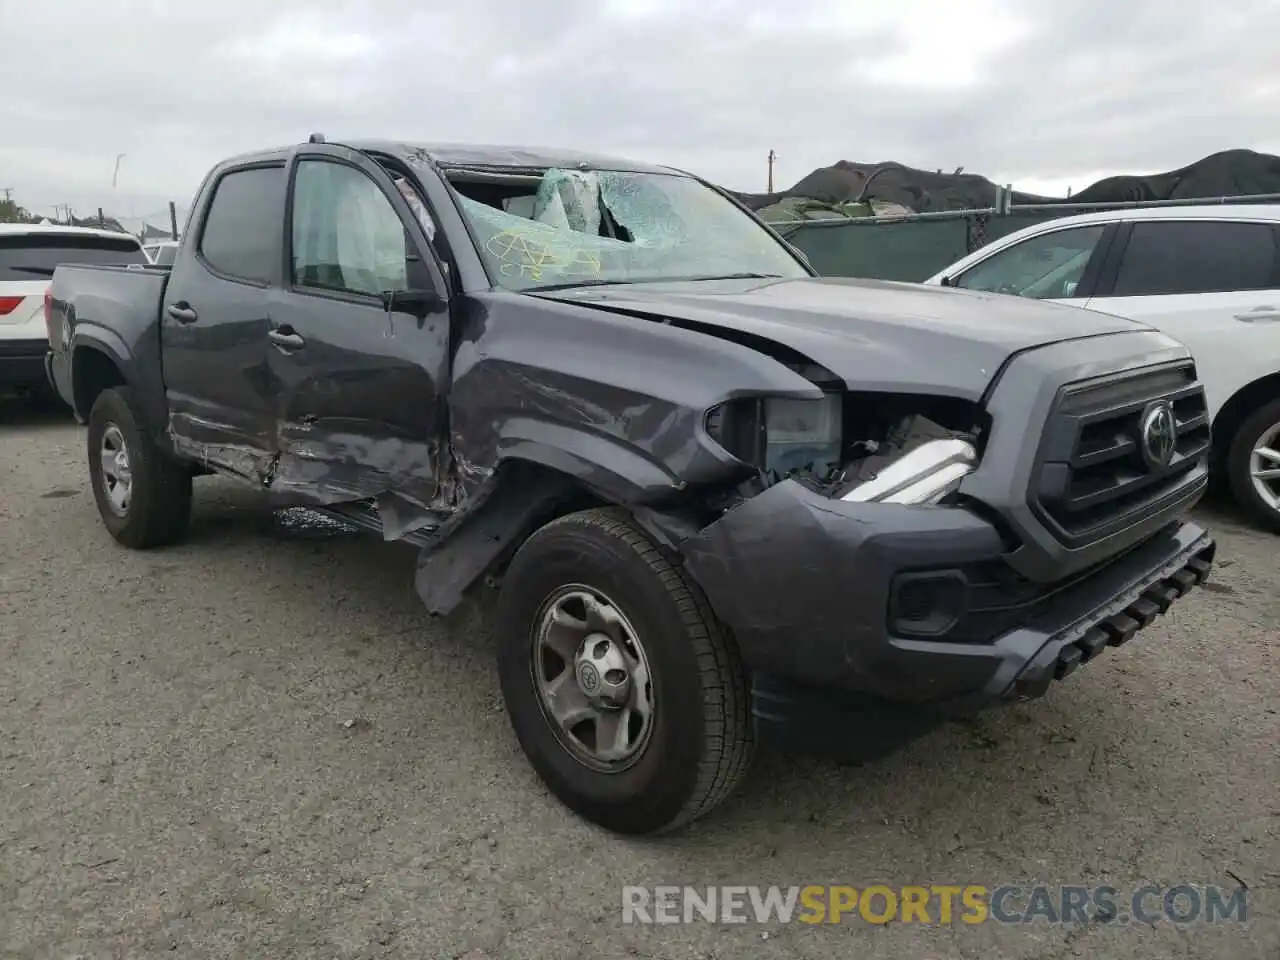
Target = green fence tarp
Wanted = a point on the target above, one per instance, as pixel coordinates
(910, 250)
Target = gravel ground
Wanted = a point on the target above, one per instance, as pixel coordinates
(256, 744)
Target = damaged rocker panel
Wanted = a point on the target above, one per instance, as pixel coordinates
(398, 479)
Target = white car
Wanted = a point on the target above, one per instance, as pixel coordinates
(162, 252)
(28, 254)
(1206, 275)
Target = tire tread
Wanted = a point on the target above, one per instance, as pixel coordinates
(728, 735)
(165, 494)
(1237, 464)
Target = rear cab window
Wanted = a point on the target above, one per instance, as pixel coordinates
(1197, 256)
(27, 257)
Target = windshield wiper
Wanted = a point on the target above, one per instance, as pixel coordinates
(541, 288)
(737, 276)
(42, 271)
(609, 283)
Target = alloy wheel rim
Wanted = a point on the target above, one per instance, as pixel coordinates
(1264, 467)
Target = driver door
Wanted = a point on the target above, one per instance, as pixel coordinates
(1058, 265)
(358, 343)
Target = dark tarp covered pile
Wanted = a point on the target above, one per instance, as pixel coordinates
(844, 190)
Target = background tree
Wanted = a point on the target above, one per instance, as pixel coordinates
(10, 212)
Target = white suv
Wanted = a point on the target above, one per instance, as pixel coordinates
(162, 252)
(28, 254)
(1206, 275)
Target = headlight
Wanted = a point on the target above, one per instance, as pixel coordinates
(802, 434)
(781, 434)
(925, 475)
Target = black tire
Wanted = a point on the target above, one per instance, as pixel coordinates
(701, 742)
(1239, 455)
(159, 508)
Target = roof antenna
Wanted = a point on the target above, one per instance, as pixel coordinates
(316, 138)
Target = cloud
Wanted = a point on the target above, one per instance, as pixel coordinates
(1020, 90)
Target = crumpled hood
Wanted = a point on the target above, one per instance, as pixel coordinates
(876, 335)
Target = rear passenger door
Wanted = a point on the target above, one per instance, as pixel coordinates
(358, 336)
(1213, 284)
(214, 323)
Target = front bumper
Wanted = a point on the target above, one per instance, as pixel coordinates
(807, 585)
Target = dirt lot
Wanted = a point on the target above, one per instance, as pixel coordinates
(257, 745)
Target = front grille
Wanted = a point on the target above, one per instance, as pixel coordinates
(1095, 474)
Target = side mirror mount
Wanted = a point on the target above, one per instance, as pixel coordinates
(945, 282)
(417, 302)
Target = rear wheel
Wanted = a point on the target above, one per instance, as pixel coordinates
(143, 495)
(1253, 465)
(626, 694)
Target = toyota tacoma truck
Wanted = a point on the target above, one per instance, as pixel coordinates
(723, 500)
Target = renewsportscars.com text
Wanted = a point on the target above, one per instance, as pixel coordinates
(935, 904)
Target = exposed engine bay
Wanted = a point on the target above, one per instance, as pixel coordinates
(851, 445)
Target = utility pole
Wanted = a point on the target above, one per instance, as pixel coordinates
(173, 219)
(772, 157)
(8, 193)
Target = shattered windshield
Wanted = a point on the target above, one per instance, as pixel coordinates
(583, 226)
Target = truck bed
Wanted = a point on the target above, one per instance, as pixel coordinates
(113, 310)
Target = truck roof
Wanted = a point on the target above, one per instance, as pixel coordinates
(474, 155)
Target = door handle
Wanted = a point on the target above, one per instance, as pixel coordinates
(182, 312)
(1264, 314)
(286, 339)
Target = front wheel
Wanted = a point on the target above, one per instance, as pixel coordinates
(143, 495)
(1253, 465)
(626, 694)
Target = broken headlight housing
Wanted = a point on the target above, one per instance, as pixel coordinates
(925, 475)
(781, 435)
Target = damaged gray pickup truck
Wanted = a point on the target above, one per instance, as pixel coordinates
(723, 500)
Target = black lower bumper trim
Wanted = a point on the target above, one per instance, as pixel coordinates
(854, 725)
(1115, 629)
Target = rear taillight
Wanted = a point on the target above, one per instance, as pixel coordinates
(10, 304)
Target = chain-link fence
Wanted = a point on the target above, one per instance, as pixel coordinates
(915, 247)
(149, 228)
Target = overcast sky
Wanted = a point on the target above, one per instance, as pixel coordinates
(1041, 93)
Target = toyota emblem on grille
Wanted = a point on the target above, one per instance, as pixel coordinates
(1159, 434)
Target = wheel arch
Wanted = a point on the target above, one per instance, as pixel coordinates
(523, 496)
(1232, 414)
(96, 365)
